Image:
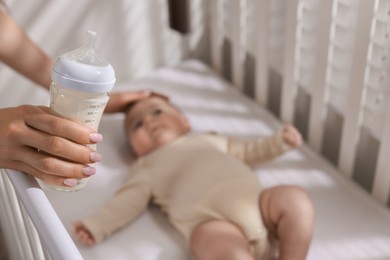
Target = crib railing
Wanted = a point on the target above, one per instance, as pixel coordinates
(26, 209)
(323, 65)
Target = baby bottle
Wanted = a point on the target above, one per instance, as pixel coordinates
(81, 80)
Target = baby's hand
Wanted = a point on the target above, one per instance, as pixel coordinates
(83, 234)
(291, 136)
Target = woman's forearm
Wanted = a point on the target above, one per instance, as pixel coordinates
(19, 52)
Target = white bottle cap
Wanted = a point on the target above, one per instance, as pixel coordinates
(84, 69)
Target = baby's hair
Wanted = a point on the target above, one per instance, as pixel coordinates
(152, 94)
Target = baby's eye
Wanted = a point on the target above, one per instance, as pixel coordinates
(138, 124)
(157, 112)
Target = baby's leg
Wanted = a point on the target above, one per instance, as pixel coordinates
(288, 213)
(219, 239)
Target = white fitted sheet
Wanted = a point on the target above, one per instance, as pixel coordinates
(349, 223)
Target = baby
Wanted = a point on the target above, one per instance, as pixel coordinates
(209, 195)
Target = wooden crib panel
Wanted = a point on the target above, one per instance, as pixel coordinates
(53, 236)
(289, 88)
(318, 81)
(352, 113)
(376, 116)
(262, 59)
(21, 235)
(234, 12)
(336, 79)
(381, 188)
(215, 35)
(13, 226)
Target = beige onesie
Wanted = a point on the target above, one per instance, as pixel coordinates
(194, 179)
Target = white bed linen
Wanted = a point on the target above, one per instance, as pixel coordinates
(349, 223)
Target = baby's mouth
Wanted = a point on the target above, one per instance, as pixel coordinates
(157, 130)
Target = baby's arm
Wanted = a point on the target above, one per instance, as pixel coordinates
(259, 149)
(128, 202)
(83, 234)
(291, 136)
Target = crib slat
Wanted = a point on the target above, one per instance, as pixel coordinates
(237, 66)
(199, 36)
(34, 240)
(318, 84)
(289, 87)
(18, 223)
(262, 62)
(381, 186)
(52, 231)
(158, 46)
(15, 227)
(215, 34)
(352, 113)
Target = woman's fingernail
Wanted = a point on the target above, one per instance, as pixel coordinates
(95, 157)
(95, 137)
(88, 170)
(147, 93)
(70, 182)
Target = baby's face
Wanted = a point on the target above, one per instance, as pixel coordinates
(153, 122)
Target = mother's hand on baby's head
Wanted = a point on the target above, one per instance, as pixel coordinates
(119, 101)
(291, 135)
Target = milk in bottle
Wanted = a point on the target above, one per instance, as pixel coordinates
(79, 90)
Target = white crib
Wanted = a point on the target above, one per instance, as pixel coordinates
(245, 67)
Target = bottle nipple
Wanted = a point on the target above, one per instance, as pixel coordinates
(84, 69)
(87, 54)
(89, 39)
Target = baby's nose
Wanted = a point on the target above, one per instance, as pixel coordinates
(150, 119)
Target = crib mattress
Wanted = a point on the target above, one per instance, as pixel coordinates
(349, 223)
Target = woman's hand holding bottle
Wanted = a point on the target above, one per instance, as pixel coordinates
(35, 141)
